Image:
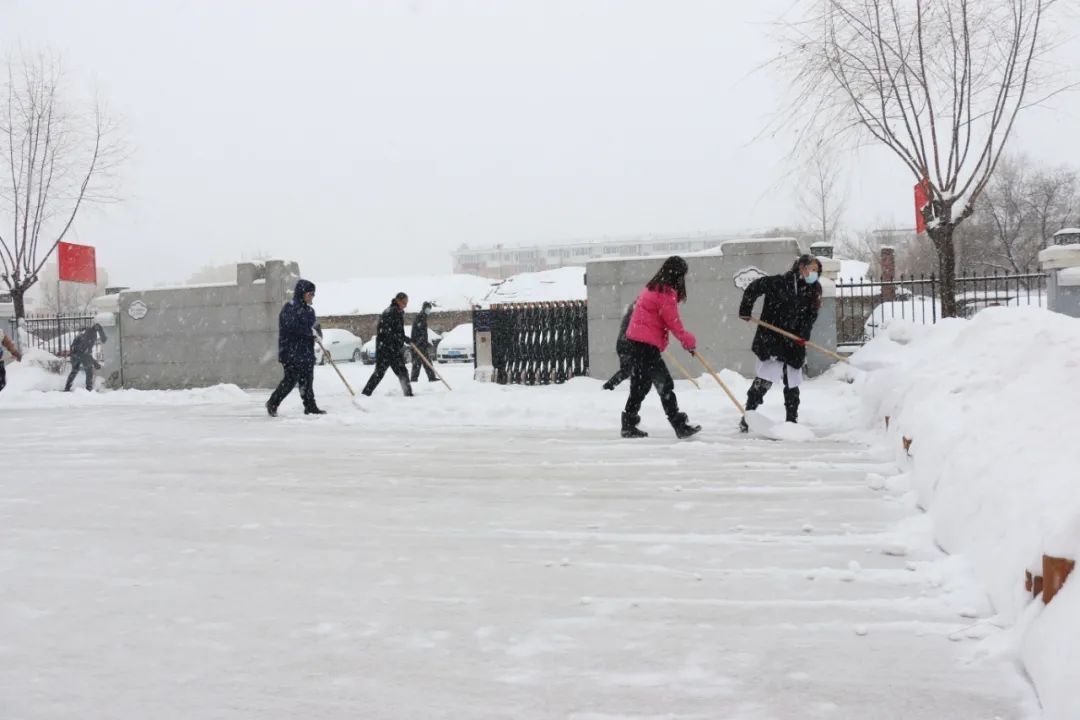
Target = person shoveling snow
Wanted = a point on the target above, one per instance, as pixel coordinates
(792, 301)
(656, 313)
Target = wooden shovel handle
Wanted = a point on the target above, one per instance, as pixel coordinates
(793, 336)
(427, 362)
(739, 405)
(676, 363)
(334, 365)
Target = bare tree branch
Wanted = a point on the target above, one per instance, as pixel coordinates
(59, 159)
(940, 84)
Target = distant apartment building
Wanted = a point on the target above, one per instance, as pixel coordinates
(502, 261)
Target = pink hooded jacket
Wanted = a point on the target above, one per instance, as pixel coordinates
(655, 314)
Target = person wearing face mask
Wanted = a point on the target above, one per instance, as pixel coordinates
(791, 303)
(420, 339)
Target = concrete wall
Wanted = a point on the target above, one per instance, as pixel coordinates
(1063, 293)
(711, 310)
(204, 335)
(1061, 263)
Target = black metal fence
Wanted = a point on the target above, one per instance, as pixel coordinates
(864, 307)
(539, 343)
(51, 333)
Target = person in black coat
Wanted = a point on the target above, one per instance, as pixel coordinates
(791, 303)
(390, 345)
(82, 355)
(420, 340)
(622, 348)
(296, 349)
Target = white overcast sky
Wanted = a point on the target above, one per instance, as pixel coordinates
(367, 138)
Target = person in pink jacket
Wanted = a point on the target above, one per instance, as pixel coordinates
(656, 313)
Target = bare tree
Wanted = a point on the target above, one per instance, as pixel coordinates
(822, 194)
(1021, 207)
(937, 82)
(1055, 201)
(59, 158)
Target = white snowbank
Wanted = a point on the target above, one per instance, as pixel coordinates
(566, 283)
(31, 384)
(365, 296)
(990, 405)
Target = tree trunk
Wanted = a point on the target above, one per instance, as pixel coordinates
(946, 252)
(18, 299)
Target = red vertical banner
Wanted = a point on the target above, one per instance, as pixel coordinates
(922, 199)
(78, 263)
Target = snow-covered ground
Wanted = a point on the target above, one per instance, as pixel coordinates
(491, 552)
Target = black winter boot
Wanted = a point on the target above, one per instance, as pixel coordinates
(756, 394)
(683, 429)
(754, 397)
(630, 426)
(314, 411)
(791, 404)
(608, 386)
(271, 410)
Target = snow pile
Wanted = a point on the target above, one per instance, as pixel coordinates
(566, 283)
(36, 382)
(990, 407)
(367, 296)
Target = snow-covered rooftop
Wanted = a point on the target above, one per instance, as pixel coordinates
(365, 296)
(566, 283)
(852, 271)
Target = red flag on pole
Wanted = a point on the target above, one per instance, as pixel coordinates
(922, 199)
(78, 263)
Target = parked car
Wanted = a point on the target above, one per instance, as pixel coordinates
(457, 345)
(341, 344)
(367, 353)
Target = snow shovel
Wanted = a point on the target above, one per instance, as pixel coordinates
(431, 367)
(334, 365)
(757, 422)
(678, 364)
(815, 346)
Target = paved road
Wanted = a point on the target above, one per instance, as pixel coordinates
(202, 561)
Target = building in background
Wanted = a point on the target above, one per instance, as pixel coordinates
(502, 261)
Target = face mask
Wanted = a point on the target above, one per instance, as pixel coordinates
(811, 278)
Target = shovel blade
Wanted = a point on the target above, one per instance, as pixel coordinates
(759, 424)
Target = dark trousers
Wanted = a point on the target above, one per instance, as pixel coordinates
(625, 367)
(85, 364)
(417, 363)
(395, 363)
(3, 375)
(301, 374)
(647, 370)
